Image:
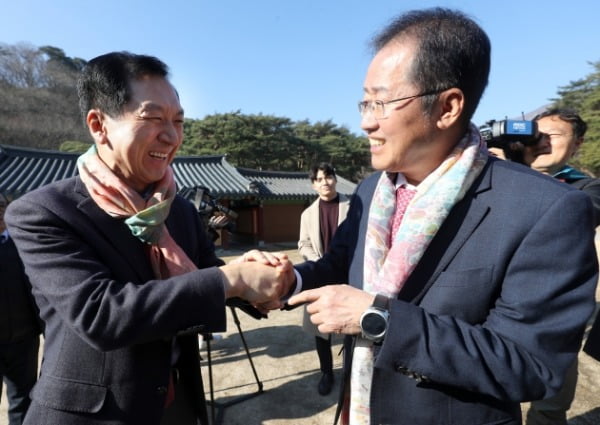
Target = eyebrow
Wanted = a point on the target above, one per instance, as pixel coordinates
(376, 89)
(154, 107)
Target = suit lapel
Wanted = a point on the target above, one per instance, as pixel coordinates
(116, 233)
(458, 227)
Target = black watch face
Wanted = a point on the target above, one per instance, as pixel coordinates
(373, 324)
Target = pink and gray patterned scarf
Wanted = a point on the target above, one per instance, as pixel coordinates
(144, 217)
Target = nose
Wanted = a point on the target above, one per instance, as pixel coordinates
(368, 122)
(171, 133)
(544, 141)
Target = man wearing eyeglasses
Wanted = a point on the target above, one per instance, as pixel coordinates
(562, 134)
(454, 294)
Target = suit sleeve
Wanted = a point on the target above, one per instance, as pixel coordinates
(305, 244)
(99, 291)
(533, 327)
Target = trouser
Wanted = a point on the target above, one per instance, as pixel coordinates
(18, 370)
(324, 353)
(553, 410)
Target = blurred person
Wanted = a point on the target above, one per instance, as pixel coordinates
(19, 327)
(318, 224)
(449, 318)
(122, 269)
(562, 134)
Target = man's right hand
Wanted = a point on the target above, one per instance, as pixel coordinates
(261, 285)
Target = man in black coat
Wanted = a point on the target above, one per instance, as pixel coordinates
(19, 327)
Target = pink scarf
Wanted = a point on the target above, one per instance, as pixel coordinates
(145, 218)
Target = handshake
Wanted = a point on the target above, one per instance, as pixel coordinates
(263, 279)
(266, 280)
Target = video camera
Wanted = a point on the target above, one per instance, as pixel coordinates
(501, 133)
(207, 204)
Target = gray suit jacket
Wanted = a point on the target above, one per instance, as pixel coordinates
(495, 310)
(109, 323)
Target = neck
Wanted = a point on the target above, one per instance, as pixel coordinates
(328, 198)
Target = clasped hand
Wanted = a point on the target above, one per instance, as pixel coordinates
(261, 278)
(269, 276)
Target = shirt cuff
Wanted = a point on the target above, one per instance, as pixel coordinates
(296, 290)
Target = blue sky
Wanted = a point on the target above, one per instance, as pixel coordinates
(307, 59)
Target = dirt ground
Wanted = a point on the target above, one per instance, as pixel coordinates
(287, 372)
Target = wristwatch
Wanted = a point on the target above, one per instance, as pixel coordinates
(374, 321)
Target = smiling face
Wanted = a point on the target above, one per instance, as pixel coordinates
(140, 143)
(325, 186)
(409, 139)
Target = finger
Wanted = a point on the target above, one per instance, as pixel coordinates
(276, 258)
(304, 297)
(257, 256)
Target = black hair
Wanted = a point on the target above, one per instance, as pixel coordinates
(569, 115)
(452, 51)
(105, 80)
(325, 167)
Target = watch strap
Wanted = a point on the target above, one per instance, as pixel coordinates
(381, 302)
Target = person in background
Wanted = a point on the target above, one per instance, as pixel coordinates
(448, 317)
(19, 327)
(562, 133)
(318, 224)
(122, 269)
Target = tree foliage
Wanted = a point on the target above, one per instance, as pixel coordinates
(39, 109)
(39, 100)
(276, 143)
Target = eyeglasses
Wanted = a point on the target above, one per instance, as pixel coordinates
(377, 107)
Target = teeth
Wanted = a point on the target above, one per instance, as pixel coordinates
(373, 142)
(159, 155)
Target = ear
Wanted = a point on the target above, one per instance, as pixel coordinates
(451, 103)
(96, 125)
(578, 143)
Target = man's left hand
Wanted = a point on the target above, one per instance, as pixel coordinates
(335, 308)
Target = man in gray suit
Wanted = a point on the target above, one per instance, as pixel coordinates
(122, 270)
(318, 224)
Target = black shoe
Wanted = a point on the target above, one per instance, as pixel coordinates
(326, 383)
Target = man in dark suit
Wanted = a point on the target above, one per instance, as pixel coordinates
(449, 275)
(19, 327)
(122, 270)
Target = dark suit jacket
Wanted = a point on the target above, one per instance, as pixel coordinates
(109, 323)
(495, 310)
(18, 314)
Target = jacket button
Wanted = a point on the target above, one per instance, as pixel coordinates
(161, 390)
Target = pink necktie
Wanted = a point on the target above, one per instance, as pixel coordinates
(403, 197)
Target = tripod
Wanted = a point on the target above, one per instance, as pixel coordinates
(222, 406)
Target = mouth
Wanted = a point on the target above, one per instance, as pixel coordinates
(376, 143)
(159, 155)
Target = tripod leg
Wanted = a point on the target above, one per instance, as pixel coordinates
(239, 327)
